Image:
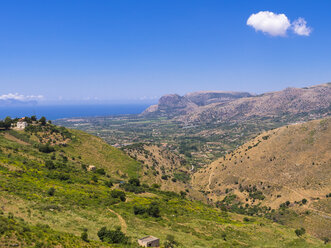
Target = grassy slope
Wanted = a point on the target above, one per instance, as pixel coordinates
(286, 164)
(95, 151)
(80, 203)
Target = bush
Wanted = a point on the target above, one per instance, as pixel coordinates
(134, 182)
(42, 121)
(304, 201)
(300, 232)
(139, 210)
(118, 194)
(58, 175)
(170, 242)
(164, 177)
(100, 171)
(84, 236)
(50, 165)
(256, 195)
(246, 219)
(112, 236)
(46, 148)
(94, 178)
(109, 183)
(153, 210)
(133, 186)
(156, 186)
(51, 191)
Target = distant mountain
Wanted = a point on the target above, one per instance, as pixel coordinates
(15, 102)
(174, 105)
(228, 106)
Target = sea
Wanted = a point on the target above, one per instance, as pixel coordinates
(71, 111)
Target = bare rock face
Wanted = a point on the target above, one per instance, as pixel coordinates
(225, 106)
(172, 105)
(203, 98)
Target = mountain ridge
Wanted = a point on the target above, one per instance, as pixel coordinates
(226, 106)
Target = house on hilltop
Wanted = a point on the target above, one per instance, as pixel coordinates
(21, 124)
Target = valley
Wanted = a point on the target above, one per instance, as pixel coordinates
(205, 183)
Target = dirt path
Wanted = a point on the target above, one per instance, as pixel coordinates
(121, 220)
(320, 213)
(210, 177)
(12, 138)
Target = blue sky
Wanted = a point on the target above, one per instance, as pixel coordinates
(113, 51)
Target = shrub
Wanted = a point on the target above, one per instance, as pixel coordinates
(46, 148)
(170, 242)
(133, 186)
(164, 177)
(118, 194)
(153, 210)
(100, 171)
(155, 186)
(183, 194)
(300, 232)
(84, 236)
(94, 178)
(326, 240)
(256, 195)
(304, 201)
(51, 191)
(109, 183)
(50, 165)
(134, 182)
(139, 210)
(112, 236)
(246, 219)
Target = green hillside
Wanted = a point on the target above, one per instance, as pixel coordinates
(49, 199)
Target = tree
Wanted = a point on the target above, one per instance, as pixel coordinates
(46, 148)
(112, 236)
(42, 120)
(118, 194)
(33, 118)
(7, 122)
(134, 182)
(154, 210)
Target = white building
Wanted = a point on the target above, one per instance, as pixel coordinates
(21, 124)
(149, 241)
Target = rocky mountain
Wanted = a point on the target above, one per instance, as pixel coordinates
(174, 105)
(228, 106)
(288, 167)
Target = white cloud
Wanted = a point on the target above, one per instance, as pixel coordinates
(20, 97)
(269, 22)
(300, 27)
(277, 24)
